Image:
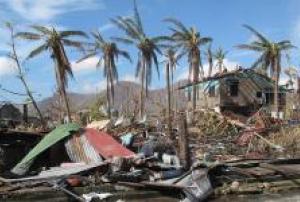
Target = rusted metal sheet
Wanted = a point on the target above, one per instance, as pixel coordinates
(80, 150)
(106, 145)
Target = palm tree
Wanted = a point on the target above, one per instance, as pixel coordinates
(190, 41)
(171, 63)
(220, 55)
(148, 48)
(270, 57)
(109, 53)
(55, 41)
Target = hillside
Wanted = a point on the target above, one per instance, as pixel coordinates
(126, 99)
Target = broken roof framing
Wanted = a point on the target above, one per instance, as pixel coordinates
(242, 89)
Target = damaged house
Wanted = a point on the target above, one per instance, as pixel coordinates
(10, 115)
(243, 90)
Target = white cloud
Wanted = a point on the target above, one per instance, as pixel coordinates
(85, 65)
(129, 77)
(7, 66)
(45, 10)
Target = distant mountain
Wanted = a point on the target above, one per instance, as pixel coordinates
(127, 96)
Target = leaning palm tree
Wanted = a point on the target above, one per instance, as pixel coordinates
(148, 48)
(109, 53)
(190, 41)
(270, 57)
(220, 55)
(55, 41)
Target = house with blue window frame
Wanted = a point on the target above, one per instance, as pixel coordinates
(243, 90)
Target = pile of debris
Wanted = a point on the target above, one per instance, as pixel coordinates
(94, 158)
(230, 136)
(214, 134)
(287, 138)
(206, 157)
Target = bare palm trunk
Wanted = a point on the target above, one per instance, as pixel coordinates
(108, 97)
(66, 102)
(220, 67)
(142, 101)
(22, 78)
(62, 92)
(169, 100)
(195, 66)
(172, 87)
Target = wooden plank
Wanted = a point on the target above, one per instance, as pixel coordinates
(277, 168)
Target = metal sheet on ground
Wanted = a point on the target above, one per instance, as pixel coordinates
(106, 145)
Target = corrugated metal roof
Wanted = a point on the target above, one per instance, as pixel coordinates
(106, 145)
(80, 150)
(48, 141)
(263, 81)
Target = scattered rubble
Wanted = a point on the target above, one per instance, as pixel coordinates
(206, 159)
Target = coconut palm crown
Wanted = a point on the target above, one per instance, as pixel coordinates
(54, 42)
(148, 48)
(269, 58)
(189, 41)
(219, 56)
(108, 55)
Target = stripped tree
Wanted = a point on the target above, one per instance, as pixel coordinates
(21, 75)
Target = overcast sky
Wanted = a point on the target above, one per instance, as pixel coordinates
(220, 19)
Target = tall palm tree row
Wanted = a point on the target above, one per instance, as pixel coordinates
(108, 52)
(219, 56)
(148, 49)
(54, 42)
(269, 58)
(190, 41)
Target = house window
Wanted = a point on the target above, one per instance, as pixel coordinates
(212, 91)
(269, 98)
(234, 88)
(258, 94)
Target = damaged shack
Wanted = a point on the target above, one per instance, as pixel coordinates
(243, 90)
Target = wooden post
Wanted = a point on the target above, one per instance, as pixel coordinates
(25, 114)
(183, 143)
